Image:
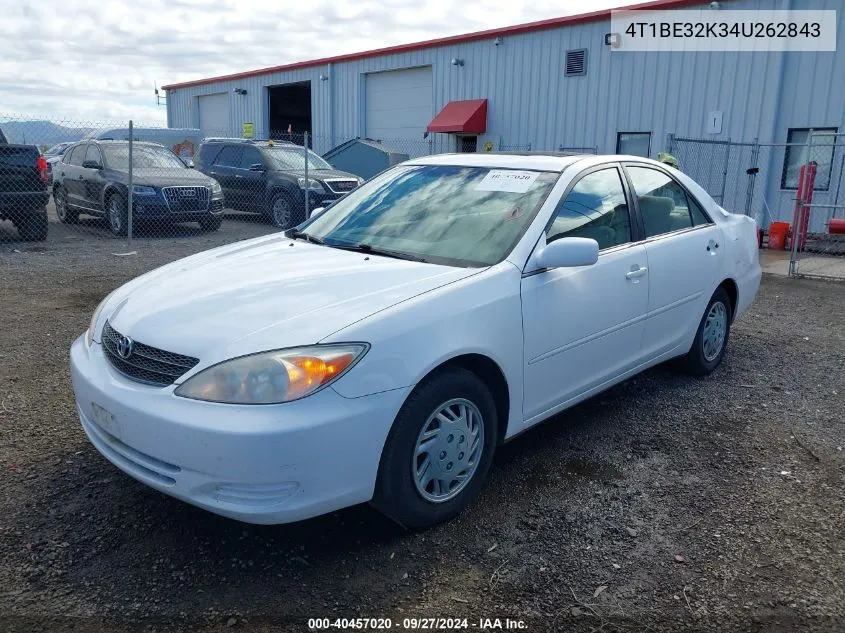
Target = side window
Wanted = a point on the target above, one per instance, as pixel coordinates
(663, 203)
(77, 155)
(594, 208)
(93, 153)
(229, 156)
(698, 215)
(250, 157)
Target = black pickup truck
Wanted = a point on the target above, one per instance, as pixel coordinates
(23, 189)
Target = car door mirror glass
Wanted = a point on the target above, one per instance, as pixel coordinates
(568, 252)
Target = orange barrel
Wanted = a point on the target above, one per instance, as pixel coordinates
(777, 234)
(837, 225)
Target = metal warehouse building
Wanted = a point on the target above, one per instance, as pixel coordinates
(554, 85)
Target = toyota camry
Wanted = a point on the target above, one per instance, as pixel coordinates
(382, 350)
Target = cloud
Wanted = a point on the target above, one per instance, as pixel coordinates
(96, 62)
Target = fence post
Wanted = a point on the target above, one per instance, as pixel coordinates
(307, 182)
(129, 196)
(670, 142)
(725, 174)
(752, 174)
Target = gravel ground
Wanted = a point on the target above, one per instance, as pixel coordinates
(665, 504)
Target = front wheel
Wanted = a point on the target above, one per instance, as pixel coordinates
(117, 215)
(439, 450)
(711, 339)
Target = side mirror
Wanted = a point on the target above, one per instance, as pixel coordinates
(256, 167)
(567, 252)
(91, 164)
(189, 162)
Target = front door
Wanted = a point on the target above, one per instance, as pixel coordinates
(72, 177)
(685, 257)
(583, 326)
(93, 182)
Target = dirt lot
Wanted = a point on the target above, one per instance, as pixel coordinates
(665, 504)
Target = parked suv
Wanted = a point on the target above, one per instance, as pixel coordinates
(269, 178)
(23, 190)
(93, 178)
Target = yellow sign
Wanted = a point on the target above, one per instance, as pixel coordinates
(249, 130)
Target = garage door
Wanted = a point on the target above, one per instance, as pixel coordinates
(214, 114)
(399, 104)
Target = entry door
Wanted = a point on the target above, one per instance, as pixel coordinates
(685, 257)
(584, 326)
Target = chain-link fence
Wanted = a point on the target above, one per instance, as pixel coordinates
(75, 183)
(763, 180)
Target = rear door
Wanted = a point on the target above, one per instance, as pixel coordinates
(251, 183)
(685, 256)
(225, 169)
(71, 175)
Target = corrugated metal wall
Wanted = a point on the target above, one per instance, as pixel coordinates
(530, 101)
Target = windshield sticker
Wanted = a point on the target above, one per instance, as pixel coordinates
(507, 180)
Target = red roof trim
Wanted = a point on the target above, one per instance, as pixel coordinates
(540, 25)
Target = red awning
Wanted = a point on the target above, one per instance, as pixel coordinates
(461, 117)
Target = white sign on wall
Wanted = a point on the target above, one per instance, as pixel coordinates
(714, 122)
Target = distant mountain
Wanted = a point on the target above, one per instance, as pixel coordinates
(41, 133)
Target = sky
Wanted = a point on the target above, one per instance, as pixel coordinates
(95, 61)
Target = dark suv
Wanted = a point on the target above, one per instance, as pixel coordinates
(23, 190)
(93, 178)
(269, 178)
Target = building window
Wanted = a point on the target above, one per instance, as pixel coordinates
(796, 156)
(633, 143)
(576, 62)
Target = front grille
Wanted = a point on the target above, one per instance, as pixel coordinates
(341, 185)
(145, 364)
(187, 199)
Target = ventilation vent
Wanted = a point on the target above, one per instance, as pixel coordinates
(576, 62)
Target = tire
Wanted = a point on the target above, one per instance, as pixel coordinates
(117, 215)
(211, 223)
(65, 213)
(283, 212)
(411, 501)
(33, 227)
(711, 339)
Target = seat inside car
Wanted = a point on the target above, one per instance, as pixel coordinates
(656, 212)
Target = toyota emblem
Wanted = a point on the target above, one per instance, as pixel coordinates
(125, 346)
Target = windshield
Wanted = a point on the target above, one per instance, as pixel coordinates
(285, 158)
(57, 149)
(469, 216)
(143, 157)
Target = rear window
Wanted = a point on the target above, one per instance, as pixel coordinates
(18, 156)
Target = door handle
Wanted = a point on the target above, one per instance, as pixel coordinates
(712, 246)
(238, 176)
(639, 272)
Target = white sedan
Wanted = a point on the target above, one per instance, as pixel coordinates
(384, 349)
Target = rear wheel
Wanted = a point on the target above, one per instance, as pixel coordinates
(33, 226)
(65, 213)
(439, 450)
(117, 215)
(211, 223)
(711, 339)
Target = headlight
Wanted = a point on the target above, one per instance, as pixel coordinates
(273, 377)
(216, 188)
(143, 190)
(313, 185)
(92, 326)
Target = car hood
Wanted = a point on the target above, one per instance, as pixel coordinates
(166, 177)
(265, 294)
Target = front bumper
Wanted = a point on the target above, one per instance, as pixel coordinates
(156, 207)
(259, 464)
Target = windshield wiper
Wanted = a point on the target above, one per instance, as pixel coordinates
(375, 250)
(297, 234)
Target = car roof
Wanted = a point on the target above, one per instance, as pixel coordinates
(538, 161)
